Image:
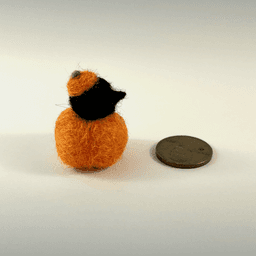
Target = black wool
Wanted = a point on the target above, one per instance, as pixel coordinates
(96, 103)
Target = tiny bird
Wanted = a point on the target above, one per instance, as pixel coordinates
(90, 135)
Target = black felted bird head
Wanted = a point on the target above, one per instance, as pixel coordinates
(92, 97)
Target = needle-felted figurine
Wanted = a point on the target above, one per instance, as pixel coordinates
(90, 134)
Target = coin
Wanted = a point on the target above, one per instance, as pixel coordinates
(184, 152)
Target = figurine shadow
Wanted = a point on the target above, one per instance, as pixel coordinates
(35, 154)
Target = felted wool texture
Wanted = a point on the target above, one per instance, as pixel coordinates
(76, 86)
(87, 144)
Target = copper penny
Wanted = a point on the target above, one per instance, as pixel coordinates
(184, 152)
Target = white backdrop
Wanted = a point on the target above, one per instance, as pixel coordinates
(188, 68)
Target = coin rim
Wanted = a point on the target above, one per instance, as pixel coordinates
(184, 166)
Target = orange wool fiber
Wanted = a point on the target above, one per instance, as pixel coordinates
(98, 144)
(86, 80)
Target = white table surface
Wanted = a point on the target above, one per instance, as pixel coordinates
(137, 207)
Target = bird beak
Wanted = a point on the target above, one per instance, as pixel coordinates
(119, 95)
